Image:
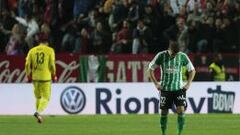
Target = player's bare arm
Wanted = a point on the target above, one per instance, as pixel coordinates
(191, 75)
(153, 79)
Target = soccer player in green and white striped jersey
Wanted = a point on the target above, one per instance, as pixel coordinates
(171, 87)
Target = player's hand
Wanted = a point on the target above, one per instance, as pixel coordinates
(186, 86)
(54, 78)
(158, 86)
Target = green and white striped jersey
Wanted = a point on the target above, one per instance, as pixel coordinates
(171, 73)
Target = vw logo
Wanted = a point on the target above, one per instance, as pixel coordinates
(73, 100)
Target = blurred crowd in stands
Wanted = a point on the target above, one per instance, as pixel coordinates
(120, 26)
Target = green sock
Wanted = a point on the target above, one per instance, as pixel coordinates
(163, 123)
(181, 122)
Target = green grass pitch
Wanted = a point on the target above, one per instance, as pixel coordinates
(211, 124)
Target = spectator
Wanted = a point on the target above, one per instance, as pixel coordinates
(149, 17)
(209, 9)
(218, 37)
(201, 16)
(47, 13)
(176, 5)
(32, 28)
(118, 14)
(7, 21)
(142, 38)
(91, 19)
(194, 15)
(2, 39)
(67, 10)
(165, 19)
(193, 35)
(3, 5)
(230, 35)
(152, 19)
(12, 5)
(134, 13)
(45, 28)
(100, 40)
(107, 6)
(69, 38)
(83, 42)
(24, 7)
(182, 34)
(6, 25)
(183, 39)
(205, 32)
(153, 3)
(81, 7)
(15, 45)
(122, 44)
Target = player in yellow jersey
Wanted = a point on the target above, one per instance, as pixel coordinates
(40, 68)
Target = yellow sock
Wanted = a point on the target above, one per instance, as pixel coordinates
(37, 103)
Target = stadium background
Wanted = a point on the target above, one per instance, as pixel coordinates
(113, 41)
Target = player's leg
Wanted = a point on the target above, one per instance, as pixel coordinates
(45, 91)
(36, 93)
(38, 98)
(163, 121)
(165, 103)
(180, 101)
(180, 119)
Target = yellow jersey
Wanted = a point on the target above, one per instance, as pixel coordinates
(218, 72)
(40, 63)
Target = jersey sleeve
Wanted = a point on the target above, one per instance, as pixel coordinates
(28, 64)
(52, 62)
(211, 67)
(156, 62)
(187, 62)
